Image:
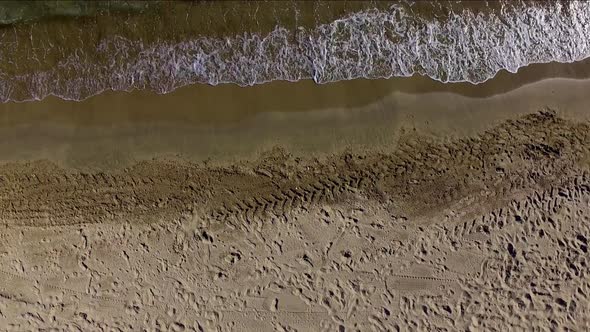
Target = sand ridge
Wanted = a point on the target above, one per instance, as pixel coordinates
(418, 165)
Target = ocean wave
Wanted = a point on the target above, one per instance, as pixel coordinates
(465, 46)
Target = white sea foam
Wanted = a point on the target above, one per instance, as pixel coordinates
(465, 47)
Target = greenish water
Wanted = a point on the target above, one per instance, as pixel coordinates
(13, 11)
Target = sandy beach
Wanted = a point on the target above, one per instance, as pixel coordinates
(361, 205)
(176, 166)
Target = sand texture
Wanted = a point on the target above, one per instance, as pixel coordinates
(487, 231)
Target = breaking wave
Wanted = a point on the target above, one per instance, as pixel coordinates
(465, 46)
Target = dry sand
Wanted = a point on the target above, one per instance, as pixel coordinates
(357, 206)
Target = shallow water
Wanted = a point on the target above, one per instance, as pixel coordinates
(181, 43)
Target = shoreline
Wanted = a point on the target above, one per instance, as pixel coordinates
(75, 71)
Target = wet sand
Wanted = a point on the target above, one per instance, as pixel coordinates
(229, 123)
